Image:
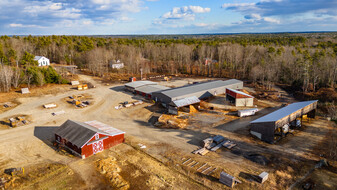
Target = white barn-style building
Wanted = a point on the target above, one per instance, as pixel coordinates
(43, 61)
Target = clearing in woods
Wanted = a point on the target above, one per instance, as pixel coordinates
(159, 165)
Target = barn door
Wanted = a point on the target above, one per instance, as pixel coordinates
(97, 146)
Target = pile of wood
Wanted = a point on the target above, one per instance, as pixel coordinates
(128, 104)
(18, 121)
(78, 102)
(274, 95)
(8, 104)
(228, 180)
(202, 168)
(49, 106)
(172, 121)
(213, 144)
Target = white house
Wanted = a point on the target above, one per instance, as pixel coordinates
(116, 64)
(43, 61)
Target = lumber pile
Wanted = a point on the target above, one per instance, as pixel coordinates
(213, 144)
(229, 144)
(128, 104)
(228, 180)
(49, 106)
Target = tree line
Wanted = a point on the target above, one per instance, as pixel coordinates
(306, 61)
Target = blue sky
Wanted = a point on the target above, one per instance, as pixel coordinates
(99, 17)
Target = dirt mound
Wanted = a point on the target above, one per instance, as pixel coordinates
(111, 170)
(257, 158)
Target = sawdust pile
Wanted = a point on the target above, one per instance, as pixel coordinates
(171, 121)
(111, 170)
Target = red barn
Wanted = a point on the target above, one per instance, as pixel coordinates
(88, 138)
(239, 98)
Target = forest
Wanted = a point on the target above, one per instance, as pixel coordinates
(306, 61)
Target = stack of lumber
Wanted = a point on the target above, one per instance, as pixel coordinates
(213, 144)
(228, 180)
(228, 144)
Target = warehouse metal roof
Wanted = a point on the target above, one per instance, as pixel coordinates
(148, 89)
(283, 112)
(186, 101)
(239, 92)
(199, 87)
(140, 83)
(79, 133)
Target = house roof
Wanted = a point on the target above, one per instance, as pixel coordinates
(148, 89)
(239, 92)
(36, 58)
(186, 101)
(79, 133)
(283, 112)
(140, 83)
(199, 87)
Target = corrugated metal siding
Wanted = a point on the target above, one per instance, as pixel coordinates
(237, 94)
(267, 130)
(76, 132)
(201, 90)
(137, 84)
(300, 107)
(149, 89)
(186, 101)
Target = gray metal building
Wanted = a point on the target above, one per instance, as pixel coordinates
(264, 128)
(200, 90)
(147, 90)
(131, 86)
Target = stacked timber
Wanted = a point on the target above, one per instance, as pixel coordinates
(228, 144)
(228, 180)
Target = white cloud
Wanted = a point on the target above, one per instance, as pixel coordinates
(198, 9)
(55, 6)
(15, 25)
(186, 12)
(272, 20)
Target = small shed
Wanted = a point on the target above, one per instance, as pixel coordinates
(25, 91)
(263, 177)
(131, 86)
(228, 180)
(116, 64)
(88, 138)
(239, 98)
(43, 61)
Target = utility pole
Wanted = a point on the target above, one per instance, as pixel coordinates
(141, 74)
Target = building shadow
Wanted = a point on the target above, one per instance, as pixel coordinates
(248, 177)
(46, 134)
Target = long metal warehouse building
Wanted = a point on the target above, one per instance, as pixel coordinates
(264, 128)
(147, 90)
(131, 86)
(200, 90)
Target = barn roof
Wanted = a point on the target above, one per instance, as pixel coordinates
(79, 133)
(199, 87)
(36, 58)
(283, 112)
(148, 89)
(239, 92)
(140, 83)
(186, 101)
